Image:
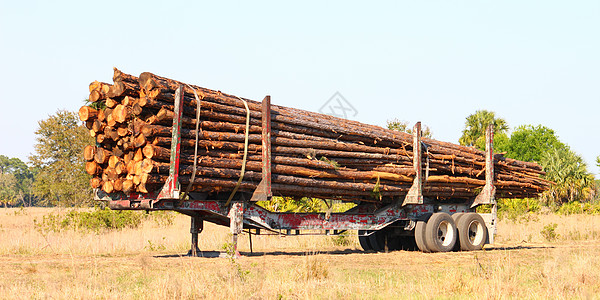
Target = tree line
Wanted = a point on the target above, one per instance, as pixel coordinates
(56, 174)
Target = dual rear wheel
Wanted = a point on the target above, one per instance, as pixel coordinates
(440, 233)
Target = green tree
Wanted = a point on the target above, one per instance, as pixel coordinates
(569, 172)
(598, 161)
(62, 179)
(23, 179)
(403, 126)
(529, 143)
(8, 189)
(476, 125)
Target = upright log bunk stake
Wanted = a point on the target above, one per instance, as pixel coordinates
(487, 195)
(263, 191)
(415, 194)
(172, 187)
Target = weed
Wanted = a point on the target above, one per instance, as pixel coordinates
(314, 268)
(238, 271)
(549, 232)
(163, 218)
(376, 193)
(20, 212)
(342, 239)
(333, 163)
(30, 269)
(155, 247)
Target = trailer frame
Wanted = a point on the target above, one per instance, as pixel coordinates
(243, 212)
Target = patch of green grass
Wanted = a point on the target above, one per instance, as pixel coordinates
(549, 232)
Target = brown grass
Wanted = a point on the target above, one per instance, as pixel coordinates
(145, 263)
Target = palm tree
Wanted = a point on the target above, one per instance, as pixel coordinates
(476, 125)
(568, 171)
(404, 126)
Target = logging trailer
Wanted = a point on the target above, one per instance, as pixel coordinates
(415, 222)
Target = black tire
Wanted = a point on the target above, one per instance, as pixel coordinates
(457, 217)
(377, 240)
(407, 243)
(391, 239)
(472, 232)
(440, 233)
(364, 240)
(420, 236)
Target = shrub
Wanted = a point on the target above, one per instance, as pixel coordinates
(99, 220)
(549, 232)
(517, 209)
(314, 269)
(342, 239)
(577, 207)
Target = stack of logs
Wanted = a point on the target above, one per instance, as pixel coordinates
(313, 155)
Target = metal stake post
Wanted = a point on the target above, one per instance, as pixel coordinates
(171, 188)
(263, 191)
(415, 194)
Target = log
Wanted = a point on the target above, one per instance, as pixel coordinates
(313, 155)
(96, 182)
(102, 155)
(92, 168)
(89, 152)
(87, 113)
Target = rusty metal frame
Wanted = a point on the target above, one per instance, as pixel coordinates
(488, 193)
(263, 191)
(358, 218)
(172, 187)
(415, 193)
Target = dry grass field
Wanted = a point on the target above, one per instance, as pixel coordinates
(146, 263)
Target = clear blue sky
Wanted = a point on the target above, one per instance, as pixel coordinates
(532, 62)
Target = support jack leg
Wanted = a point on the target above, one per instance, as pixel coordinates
(195, 228)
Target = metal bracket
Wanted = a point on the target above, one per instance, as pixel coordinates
(236, 224)
(263, 191)
(172, 187)
(487, 194)
(415, 194)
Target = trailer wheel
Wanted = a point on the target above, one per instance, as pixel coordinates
(472, 232)
(407, 243)
(440, 233)
(420, 236)
(457, 217)
(377, 240)
(363, 239)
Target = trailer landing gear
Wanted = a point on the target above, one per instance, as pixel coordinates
(196, 227)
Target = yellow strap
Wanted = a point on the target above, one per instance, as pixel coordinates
(245, 153)
(189, 187)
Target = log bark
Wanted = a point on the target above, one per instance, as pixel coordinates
(313, 155)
